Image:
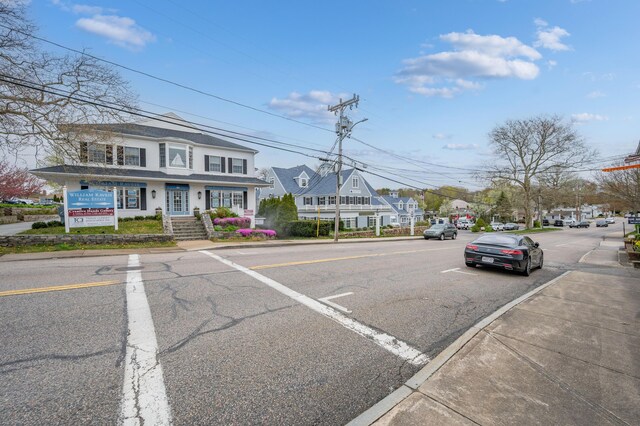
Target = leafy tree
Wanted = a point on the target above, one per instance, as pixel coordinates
(503, 207)
(383, 191)
(527, 149)
(17, 182)
(40, 92)
(286, 212)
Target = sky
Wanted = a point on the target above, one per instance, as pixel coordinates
(433, 77)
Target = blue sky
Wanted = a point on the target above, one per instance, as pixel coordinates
(434, 77)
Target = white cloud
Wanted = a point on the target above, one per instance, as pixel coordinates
(83, 9)
(549, 38)
(119, 30)
(441, 136)
(551, 64)
(312, 105)
(474, 56)
(461, 146)
(586, 117)
(596, 94)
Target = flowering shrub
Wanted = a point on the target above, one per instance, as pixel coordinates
(248, 232)
(636, 246)
(240, 222)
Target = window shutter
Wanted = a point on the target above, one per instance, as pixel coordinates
(120, 150)
(143, 198)
(83, 152)
(163, 155)
(143, 157)
(230, 169)
(207, 196)
(244, 199)
(206, 163)
(109, 154)
(190, 157)
(222, 164)
(244, 167)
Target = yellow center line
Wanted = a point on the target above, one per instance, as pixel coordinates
(335, 259)
(57, 288)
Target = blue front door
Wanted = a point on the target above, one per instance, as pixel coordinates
(177, 202)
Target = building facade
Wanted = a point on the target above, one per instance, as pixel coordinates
(315, 196)
(161, 163)
(405, 208)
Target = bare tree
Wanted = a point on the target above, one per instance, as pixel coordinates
(41, 93)
(527, 149)
(622, 187)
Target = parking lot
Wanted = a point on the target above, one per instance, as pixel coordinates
(297, 334)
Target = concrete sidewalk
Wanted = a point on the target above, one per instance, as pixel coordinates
(568, 354)
(191, 246)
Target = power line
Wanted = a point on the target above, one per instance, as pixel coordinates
(164, 80)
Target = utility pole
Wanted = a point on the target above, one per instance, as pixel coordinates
(343, 129)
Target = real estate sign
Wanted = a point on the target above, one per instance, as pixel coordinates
(90, 207)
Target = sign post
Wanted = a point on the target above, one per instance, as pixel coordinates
(115, 207)
(66, 209)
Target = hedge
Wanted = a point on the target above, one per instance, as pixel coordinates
(309, 228)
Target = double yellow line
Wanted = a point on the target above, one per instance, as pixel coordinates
(57, 288)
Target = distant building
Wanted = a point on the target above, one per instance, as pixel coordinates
(404, 208)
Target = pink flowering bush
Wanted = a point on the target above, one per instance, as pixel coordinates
(248, 232)
(240, 222)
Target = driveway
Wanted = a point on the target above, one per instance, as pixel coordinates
(14, 228)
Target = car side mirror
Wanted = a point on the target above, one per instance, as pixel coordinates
(536, 245)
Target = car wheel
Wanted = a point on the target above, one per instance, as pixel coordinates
(541, 261)
(527, 269)
(455, 234)
(442, 237)
(470, 264)
(426, 238)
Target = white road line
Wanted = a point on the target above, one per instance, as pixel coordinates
(386, 341)
(584, 257)
(465, 273)
(144, 398)
(449, 270)
(335, 305)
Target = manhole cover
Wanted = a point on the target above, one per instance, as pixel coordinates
(130, 268)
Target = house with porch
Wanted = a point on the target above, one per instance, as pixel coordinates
(161, 164)
(315, 196)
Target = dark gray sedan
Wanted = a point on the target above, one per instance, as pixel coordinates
(441, 231)
(506, 251)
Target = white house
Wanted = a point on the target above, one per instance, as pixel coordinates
(158, 163)
(315, 196)
(404, 208)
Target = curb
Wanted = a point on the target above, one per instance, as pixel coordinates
(396, 397)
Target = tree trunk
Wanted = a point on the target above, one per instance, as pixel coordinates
(528, 223)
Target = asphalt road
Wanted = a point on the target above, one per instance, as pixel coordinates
(306, 335)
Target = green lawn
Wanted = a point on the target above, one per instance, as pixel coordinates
(147, 226)
(74, 246)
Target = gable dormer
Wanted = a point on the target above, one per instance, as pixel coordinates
(302, 180)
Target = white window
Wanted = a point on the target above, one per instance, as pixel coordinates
(131, 156)
(355, 182)
(322, 201)
(238, 199)
(400, 205)
(128, 198)
(214, 164)
(178, 157)
(304, 182)
(227, 199)
(236, 165)
(307, 201)
(96, 153)
(272, 182)
(349, 222)
(371, 221)
(332, 200)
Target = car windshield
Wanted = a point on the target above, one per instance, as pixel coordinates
(500, 240)
(439, 226)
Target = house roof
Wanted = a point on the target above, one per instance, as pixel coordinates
(394, 201)
(145, 174)
(286, 177)
(132, 129)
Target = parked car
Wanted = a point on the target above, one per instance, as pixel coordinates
(511, 226)
(558, 222)
(601, 222)
(581, 224)
(441, 231)
(497, 226)
(545, 222)
(507, 251)
(464, 224)
(611, 220)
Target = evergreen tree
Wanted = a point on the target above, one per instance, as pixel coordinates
(503, 208)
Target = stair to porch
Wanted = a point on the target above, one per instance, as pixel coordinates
(188, 228)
